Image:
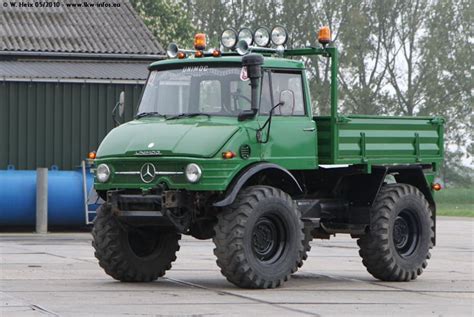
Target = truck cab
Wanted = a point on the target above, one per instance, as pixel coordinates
(225, 146)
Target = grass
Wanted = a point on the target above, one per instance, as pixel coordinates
(455, 202)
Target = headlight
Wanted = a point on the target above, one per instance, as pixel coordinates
(246, 35)
(193, 173)
(102, 173)
(279, 35)
(229, 38)
(262, 37)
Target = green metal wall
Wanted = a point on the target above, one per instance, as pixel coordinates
(44, 124)
(361, 139)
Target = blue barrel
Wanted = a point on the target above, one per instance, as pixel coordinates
(65, 198)
(17, 198)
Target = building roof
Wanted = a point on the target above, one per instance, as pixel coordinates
(73, 28)
(74, 71)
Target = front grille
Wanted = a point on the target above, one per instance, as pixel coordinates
(129, 172)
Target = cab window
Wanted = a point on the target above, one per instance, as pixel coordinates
(210, 96)
(239, 95)
(275, 83)
(219, 91)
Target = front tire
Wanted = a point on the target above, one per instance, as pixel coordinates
(401, 233)
(131, 254)
(260, 238)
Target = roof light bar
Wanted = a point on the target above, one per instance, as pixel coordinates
(262, 38)
(241, 42)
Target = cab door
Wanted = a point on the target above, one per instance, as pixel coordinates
(291, 142)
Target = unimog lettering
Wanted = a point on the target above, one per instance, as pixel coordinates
(195, 69)
(239, 157)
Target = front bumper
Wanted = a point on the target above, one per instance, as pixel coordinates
(155, 208)
(123, 204)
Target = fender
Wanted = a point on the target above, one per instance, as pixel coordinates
(413, 175)
(362, 189)
(239, 181)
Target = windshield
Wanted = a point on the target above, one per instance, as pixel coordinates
(195, 90)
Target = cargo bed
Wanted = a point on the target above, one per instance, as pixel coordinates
(364, 139)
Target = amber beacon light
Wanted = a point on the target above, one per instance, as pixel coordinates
(200, 41)
(324, 35)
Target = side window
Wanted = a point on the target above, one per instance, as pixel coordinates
(210, 96)
(290, 84)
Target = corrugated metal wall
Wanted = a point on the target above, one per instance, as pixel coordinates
(44, 124)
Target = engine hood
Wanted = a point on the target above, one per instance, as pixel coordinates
(154, 136)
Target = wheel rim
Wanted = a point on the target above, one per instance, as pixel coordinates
(269, 238)
(406, 233)
(143, 241)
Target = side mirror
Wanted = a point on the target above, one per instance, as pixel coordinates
(119, 107)
(121, 104)
(287, 100)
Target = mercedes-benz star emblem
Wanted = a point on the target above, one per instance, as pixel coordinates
(147, 173)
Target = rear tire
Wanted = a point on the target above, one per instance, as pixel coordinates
(130, 254)
(401, 231)
(260, 238)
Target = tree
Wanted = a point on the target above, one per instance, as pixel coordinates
(167, 20)
(448, 83)
(403, 54)
(367, 26)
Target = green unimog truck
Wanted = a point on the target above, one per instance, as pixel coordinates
(225, 146)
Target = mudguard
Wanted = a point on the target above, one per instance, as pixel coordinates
(240, 180)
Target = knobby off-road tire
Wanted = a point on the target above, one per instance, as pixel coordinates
(132, 254)
(260, 239)
(400, 237)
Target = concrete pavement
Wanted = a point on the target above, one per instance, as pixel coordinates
(57, 275)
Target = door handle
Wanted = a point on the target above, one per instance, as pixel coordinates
(309, 129)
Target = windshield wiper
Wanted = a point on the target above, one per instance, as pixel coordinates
(149, 114)
(188, 115)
